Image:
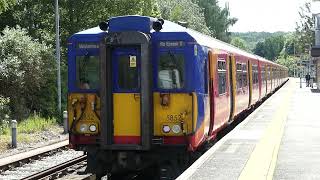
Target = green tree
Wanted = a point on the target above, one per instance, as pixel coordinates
(270, 48)
(252, 38)
(186, 11)
(240, 43)
(37, 18)
(289, 61)
(217, 19)
(259, 49)
(304, 33)
(26, 73)
(6, 4)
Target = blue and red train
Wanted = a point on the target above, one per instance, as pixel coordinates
(144, 91)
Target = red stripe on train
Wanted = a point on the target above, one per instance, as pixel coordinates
(82, 139)
(126, 139)
(137, 140)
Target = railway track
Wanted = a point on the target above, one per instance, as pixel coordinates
(20, 159)
(61, 170)
(56, 159)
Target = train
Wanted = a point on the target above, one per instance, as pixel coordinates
(145, 91)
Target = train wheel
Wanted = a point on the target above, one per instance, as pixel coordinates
(169, 170)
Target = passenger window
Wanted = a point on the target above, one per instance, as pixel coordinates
(222, 73)
(255, 74)
(87, 72)
(244, 75)
(268, 74)
(171, 71)
(263, 75)
(239, 76)
(127, 74)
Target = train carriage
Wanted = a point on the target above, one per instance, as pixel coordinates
(144, 90)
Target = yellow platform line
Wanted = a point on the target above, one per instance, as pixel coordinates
(262, 162)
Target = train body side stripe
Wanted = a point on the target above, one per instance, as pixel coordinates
(233, 82)
(250, 82)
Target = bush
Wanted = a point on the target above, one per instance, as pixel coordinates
(4, 114)
(27, 74)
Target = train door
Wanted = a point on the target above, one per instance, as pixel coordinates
(272, 78)
(250, 82)
(126, 95)
(263, 81)
(219, 90)
(126, 103)
(255, 81)
(242, 85)
(268, 75)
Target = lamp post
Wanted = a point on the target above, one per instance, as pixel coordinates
(58, 55)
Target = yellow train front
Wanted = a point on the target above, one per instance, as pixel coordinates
(148, 92)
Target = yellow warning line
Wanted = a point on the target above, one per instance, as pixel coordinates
(263, 159)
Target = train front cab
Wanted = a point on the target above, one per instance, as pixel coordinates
(154, 99)
(180, 99)
(147, 95)
(83, 89)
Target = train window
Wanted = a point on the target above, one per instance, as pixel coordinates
(222, 73)
(87, 72)
(263, 75)
(239, 67)
(171, 71)
(221, 65)
(239, 75)
(127, 75)
(255, 74)
(244, 75)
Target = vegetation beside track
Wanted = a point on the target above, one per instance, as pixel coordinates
(30, 131)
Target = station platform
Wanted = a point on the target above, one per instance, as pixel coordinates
(279, 140)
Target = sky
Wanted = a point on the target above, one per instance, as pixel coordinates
(264, 15)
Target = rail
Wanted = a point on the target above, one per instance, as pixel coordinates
(58, 169)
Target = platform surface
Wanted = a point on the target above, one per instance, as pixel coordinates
(279, 140)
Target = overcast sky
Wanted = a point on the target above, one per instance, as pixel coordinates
(264, 15)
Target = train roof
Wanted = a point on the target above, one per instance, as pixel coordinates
(144, 24)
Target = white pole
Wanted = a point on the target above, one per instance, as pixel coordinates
(65, 122)
(58, 55)
(14, 133)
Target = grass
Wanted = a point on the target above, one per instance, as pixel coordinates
(31, 125)
(27, 131)
(35, 124)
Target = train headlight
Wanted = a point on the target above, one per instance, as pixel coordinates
(176, 129)
(83, 128)
(166, 128)
(92, 128)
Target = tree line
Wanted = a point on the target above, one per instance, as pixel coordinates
(27, 63)
(285, 48)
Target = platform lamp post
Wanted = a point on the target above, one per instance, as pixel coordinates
(315, 50)
(58, 56)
